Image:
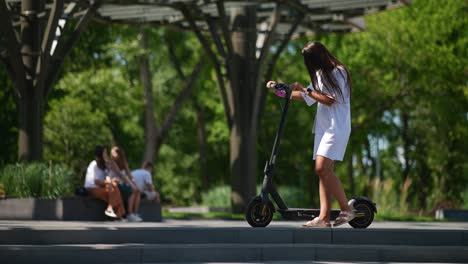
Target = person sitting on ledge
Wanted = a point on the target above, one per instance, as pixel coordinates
(144, 182)
(120, 173)
(99, 185)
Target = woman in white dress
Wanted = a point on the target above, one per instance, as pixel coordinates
(331, 88)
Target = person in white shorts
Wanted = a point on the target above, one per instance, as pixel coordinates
(330, 87)
(144, 182)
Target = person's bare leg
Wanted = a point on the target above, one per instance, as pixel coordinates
(137, 202)
(325, 195)
(131, 203)
(333, 186)
(337, 190)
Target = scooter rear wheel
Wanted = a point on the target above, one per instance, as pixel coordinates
(364, 214)
(259, 214)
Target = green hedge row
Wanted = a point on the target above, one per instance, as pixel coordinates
(37, 180)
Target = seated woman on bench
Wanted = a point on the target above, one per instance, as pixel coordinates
(99, 185)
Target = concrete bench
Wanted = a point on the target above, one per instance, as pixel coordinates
(68, 209)
(452, 214)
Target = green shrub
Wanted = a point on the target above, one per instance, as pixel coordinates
(295, 197)
(37, 180)
(465, 199)
(176, 181)
(219, 196)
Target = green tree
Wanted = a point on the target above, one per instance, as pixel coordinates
(71, 131)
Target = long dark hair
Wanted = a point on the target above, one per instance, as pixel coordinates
(317, 57)
(120, 159)
(98, 154)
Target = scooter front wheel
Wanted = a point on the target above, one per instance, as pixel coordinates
(258, 213)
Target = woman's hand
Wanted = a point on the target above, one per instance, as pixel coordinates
(131, 183)
(107, 180)
(270, 84)
(115, 182)
(134, 187)
(297, 87)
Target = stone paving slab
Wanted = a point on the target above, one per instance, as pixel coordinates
(72, 254)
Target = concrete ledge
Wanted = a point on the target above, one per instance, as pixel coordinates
(452, 214)
(137, 233)
(68, 209)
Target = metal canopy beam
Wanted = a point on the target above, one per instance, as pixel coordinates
(318, 15)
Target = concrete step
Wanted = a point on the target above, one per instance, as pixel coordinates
(163, 253)
(116, 234)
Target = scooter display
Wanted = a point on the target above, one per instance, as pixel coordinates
(260, 209)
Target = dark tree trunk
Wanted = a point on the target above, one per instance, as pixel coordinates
(31, 102)
(150, 121)
(406, 146)
(243, 135)
(423, 180)
(202, 146)
(31, 110)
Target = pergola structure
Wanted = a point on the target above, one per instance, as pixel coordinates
(320, 15)
(237, 37)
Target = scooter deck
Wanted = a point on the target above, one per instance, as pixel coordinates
(304, 213)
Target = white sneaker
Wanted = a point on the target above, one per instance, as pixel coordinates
(130, 218)
(133, 218)
(139, 217)
(110, 213)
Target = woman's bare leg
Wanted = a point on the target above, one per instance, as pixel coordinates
(137, 202)
(131, 203)
(325, 195)
(325, 202)
(331, 184)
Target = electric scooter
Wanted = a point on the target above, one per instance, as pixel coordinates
(260, 209)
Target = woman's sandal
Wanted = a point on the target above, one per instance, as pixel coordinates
(344, 217)
(316, 222)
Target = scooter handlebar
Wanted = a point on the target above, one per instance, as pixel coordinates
(281, 86)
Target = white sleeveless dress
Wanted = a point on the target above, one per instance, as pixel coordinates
(332, 125)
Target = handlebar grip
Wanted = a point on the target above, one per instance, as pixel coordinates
(280, 86)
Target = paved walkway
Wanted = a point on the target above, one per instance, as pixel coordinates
(72, 225)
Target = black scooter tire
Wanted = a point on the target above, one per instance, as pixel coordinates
(365, 208)
(259, 214)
